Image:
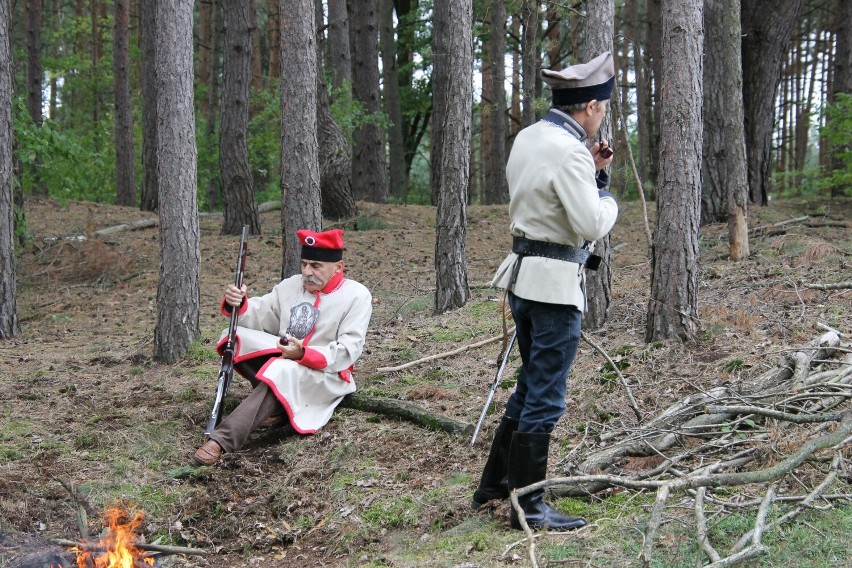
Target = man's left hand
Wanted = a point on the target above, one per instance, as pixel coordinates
(291, 347)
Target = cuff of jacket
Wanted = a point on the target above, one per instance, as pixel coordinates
(226, 308)
(602, 179)
(313, 359)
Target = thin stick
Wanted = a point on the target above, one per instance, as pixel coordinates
(599, 349)
(443, 355)
(162, 549)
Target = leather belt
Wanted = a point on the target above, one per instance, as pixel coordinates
(527, 247)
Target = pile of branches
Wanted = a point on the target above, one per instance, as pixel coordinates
(748, 438)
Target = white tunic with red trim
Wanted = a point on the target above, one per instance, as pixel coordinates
(309, 388)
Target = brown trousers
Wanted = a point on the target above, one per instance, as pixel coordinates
(234, 430)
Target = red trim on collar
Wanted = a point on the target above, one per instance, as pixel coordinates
(333, 283)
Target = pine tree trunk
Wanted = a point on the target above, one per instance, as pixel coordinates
(530, 61)
(178, 291)
(34, 76)
(599, 38)
(300, 176)
(335, 154)
(272, 26)
(237, 187)
(767, 28)
(369, 163)
(211, 100)
(725, 185)
(8, 294)
(125, 174)
(841, 76)
(495, 188)
(396, 145)
(453, 40)
(673, 305)
(148, 48)
(340, 59)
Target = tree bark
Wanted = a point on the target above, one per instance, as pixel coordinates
(725, 183)
(396, 145)
(178, 291)
(300, 176)
(237, 186)
(369, 163)
(406, 411)
(148, 80)
(530, 61)
(272, 26)
(673, 305)
(767, 28)
(212, 99)
(125, 174)
(599, 36)
(335, 153)
(9, 326)
(340, 59)
(841, 80)
(495, 188)
(34, 75)
(453, 49)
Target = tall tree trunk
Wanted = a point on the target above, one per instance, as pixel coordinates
(178, 291)
(495, 188)
(272, 26)
(673, 305)
(841, 76)
(725, 184)
(599, 36)
(125, 174)
(9, 326)
(256, 59)
(655, 59)
(34, 76)
(515, 107)
(393, 107)
(453, 48)
(148, 79)
(417, 122)
(335, 153)
(237, 187)
(205, 50)
(643, 90)
(300, 176)
(96, 52)
(767, 28)
(369, 163)
(340, 58)
(529, 60)
(212, 98)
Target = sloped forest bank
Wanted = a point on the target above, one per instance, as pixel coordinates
(89, 419)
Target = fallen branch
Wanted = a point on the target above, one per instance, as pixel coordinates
(445, 354)
(136, 225)
(159, 548)
(406, 411)
(761, 228)
(835, 286)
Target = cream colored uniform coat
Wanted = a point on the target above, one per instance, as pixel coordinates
(310, 388)
(553, 198)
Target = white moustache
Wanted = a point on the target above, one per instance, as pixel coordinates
(311, 280)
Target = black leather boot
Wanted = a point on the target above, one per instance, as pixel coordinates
(528, 465)
(494, 483)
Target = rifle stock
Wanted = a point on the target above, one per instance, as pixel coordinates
(226, 368)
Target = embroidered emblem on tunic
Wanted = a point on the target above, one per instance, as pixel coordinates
(302, 319)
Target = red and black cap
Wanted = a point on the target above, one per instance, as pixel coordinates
(325, 246)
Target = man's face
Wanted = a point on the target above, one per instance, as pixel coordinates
(316, 274)
(596, 113)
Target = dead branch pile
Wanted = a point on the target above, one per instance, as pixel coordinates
(780, 438)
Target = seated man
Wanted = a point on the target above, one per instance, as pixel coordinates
(297, 345)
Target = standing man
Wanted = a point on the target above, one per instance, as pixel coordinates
(558, 205)
(297, 345)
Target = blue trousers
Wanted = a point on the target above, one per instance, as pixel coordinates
(547, 337)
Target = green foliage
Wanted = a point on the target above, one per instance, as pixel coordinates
(837, 131)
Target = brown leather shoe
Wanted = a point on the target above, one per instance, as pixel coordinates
(208, 454)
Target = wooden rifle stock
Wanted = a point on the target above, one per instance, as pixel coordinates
(226, 369)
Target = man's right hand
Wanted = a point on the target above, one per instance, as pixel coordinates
(234, 296)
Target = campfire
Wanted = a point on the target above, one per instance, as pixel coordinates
(117, 548)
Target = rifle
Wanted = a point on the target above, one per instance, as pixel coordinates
(504, 358)
(226, 369)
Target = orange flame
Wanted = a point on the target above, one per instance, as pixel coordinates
(116, 549)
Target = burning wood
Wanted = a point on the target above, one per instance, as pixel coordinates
(117, 548)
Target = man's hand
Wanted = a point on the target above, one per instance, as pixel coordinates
(291, 347)
(234, 296)
(602, 154)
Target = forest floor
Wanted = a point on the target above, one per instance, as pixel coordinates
(89, 419)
